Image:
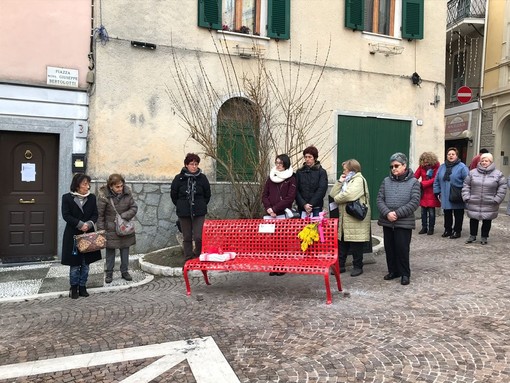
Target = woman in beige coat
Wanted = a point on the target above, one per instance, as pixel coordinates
(117, 193)
(352, 232)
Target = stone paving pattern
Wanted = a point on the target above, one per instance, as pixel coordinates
(451, 324)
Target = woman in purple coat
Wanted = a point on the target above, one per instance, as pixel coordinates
(280, 188)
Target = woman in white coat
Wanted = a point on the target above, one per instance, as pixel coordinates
(352, 232)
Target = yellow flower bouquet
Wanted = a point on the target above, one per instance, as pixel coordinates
(308, 236)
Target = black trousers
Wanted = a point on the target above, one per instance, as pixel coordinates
(397, 243)
(486, 227)
(192, 232)
(448, 220)
(357, 253)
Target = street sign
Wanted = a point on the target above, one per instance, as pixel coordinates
(464, 94)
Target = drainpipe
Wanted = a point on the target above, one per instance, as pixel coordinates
(482, 72)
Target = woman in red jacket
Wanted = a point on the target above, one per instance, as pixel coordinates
(427, 172)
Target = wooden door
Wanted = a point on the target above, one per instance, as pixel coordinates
(28, 196)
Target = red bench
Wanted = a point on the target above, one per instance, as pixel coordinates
(268, 246)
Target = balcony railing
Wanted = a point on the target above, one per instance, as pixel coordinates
(462, 9)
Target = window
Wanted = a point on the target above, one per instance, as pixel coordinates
(237, 132)
(247, 16)
(379, 16)
(385, 17)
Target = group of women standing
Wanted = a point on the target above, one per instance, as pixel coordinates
(83, 213)
(450, 185)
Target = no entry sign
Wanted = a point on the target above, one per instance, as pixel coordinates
(464, 94)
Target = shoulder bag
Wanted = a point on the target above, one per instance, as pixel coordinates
(455, 194)
(357, 209)
(122, 227)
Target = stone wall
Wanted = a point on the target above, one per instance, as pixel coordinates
(156, 218)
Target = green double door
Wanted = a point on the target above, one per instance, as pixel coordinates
(372, 141)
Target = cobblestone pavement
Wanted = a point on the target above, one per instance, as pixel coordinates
(451, 324)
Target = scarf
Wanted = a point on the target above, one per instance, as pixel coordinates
(280, 176)
(81, 197)
(401, 177)
(347, 179)
(449, 166)
(191, 183)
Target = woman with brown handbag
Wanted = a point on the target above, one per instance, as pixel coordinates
(79, 210)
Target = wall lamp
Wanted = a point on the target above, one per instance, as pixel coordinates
(416, 79)
(141, 44)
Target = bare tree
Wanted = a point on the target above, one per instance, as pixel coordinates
(274, 108)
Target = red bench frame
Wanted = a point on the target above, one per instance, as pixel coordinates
(268, 252)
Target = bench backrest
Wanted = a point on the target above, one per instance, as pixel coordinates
(244, 236)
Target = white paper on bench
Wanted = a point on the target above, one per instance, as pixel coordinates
(267, 228)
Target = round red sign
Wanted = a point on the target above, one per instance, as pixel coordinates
(464, 94)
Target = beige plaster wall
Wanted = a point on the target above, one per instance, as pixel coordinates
(134, 129)
(37, 33)
(496, 27)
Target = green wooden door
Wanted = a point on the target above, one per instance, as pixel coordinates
(371, 141)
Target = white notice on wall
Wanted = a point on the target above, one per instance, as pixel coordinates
(28, 172)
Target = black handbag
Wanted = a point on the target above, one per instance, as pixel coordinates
(455, 194)
(357, 209)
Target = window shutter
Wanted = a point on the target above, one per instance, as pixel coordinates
(355, 14)
(278, 19)
(209, 14)
(412, 19)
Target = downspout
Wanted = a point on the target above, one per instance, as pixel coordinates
(482, 72)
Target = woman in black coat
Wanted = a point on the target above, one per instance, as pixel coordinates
(312, 184)
(79, 210)
(190, 193)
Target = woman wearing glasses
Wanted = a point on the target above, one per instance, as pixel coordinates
(447, 187)
(397, 200)
(280, 188)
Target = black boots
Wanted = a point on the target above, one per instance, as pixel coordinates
(423, 230)
(83, 292)
(73, 292)
(78, 291)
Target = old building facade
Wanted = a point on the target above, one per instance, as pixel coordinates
(381, 88)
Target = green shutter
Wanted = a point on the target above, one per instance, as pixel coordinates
(209, 14)
(278, 19)
(355, 14)
(412, 19)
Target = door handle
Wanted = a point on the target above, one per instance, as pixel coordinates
(21, 200)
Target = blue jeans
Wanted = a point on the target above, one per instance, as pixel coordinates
(428, 214)
(78, 275)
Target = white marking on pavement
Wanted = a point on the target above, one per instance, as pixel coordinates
(207, 362)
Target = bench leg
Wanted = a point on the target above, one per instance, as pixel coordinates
(336, 268)
(328, 290)
(206, 278)
(186, 280)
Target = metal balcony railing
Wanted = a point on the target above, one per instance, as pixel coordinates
(462, 9)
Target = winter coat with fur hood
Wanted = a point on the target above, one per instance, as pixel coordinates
(126, 207)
